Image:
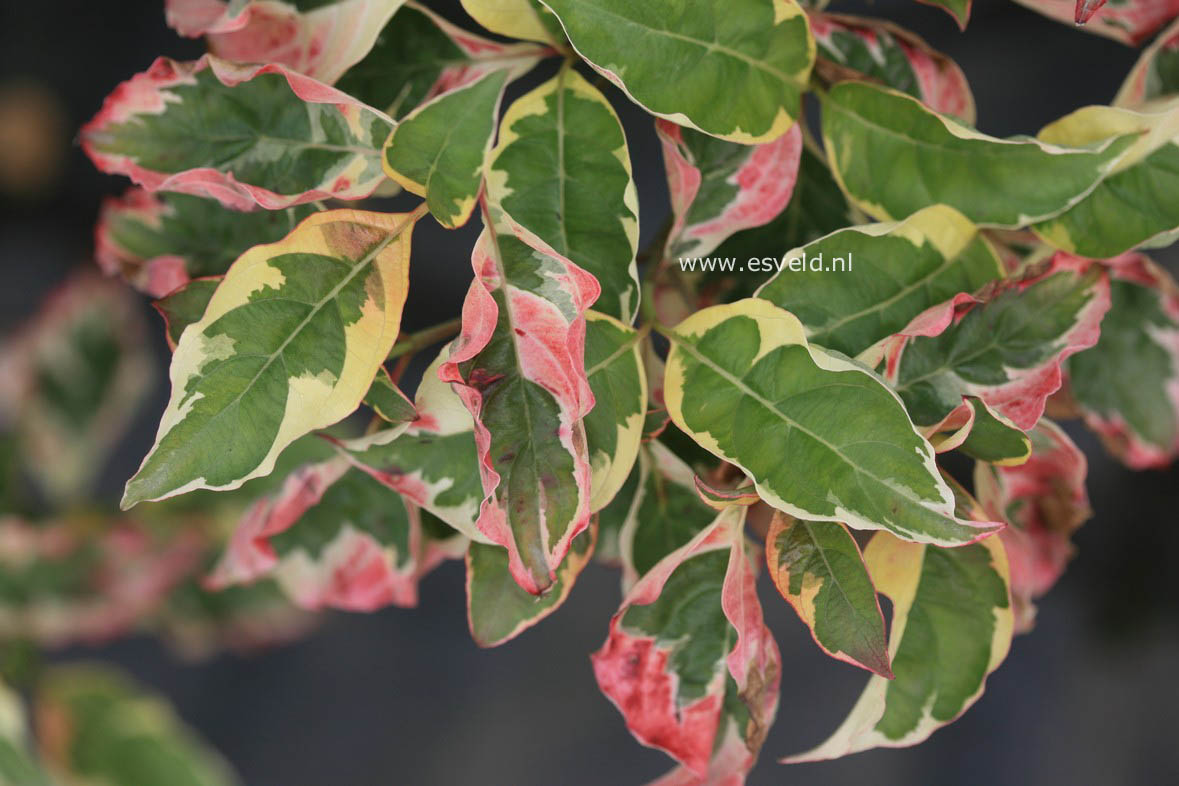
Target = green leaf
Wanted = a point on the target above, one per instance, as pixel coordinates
(1156, 74)
(419, 55)
(157, 242)
(77, 375)
(387, 400)
(497, 608)
(819, 570)
(1006, 350)
(719, 187)
(1132, 206)
(561, 173)
(878, 51)
(18, 765)
(432, 462)
(182, 307)
(951, 627)
(437, 151)
(742, 382)
(289, 343)
(689, 661)
(980, 432)
(525, 19)
(899, 271)
(736, 69)
(519, 367)
(879, 140)
(96, 726)
(958, 9)
(614, 427)
(244, 135)
(1126, 384)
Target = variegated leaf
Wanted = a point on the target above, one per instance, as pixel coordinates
(982, 433)
(18, 764)
(819, 570)
(1156, 74)
(560, 172)
(851, 47)
(526, 19)
(1133, 206)
(332, 537)
(738, 66)
(387, 400)
(184, 306)
(899, 269)
(420, 55)
(1128, 21)
(97, 727)
(322, 42)
(1044, 502)
(182, 127)
(437, 150)
(289, 343)
(689, 661)
(719, 188)
(432, 462)
(195, 18)
(71, 380)
(519, 367)
(879, 140)
(951, 627)
(1006, 350)
(1127, 386)
(743, 382)
(663, 512)
(158, 242)
(498, 610)
(614, 427)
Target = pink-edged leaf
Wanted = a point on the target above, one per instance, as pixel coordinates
(322, 43)
(721, 498)
(519, 367)
(1155, 75)
(179, 127)
(332, 537)
(719, 188)
(71, 380)
(1044, 501)
(851, 47)
(195, 18)
(1006, 349)
(1127, 386)
(79, 585)
(1128, 21)
(689, 661)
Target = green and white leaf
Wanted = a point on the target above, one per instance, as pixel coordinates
(614, 427)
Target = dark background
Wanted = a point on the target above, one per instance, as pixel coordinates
(405, 697)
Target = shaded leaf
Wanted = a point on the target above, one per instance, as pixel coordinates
(614, 427)
(184, 306)
(387, 400)
(1129, 21)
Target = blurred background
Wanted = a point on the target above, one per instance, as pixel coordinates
(405, 697)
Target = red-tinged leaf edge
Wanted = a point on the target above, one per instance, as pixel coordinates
(145, 93)
(719, 499)
(155, 277)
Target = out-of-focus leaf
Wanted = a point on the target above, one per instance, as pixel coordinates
(71, 380)
(852, 47)
(18, 765)
(519, 367)
(561, 174)
(1127, 385)
(420, 55)
(951, 627)
(1156, 74)
(289, 343)
(738, 67)
(689, 661)
(880, 141)
(819, 570)
(1006, 350)
(498, 610)
(437, 150)
(1128, 21)
(744, 383)
(97, 727)
(244, 135)
(719, 188)
(899, 270)
(1044, 501)
(157, 242)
